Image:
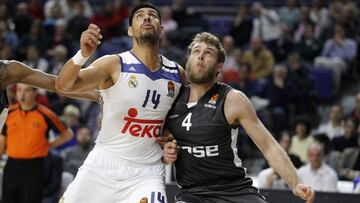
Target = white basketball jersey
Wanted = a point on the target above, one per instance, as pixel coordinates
(135, 107)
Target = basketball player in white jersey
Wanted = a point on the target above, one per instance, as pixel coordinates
(138, 88)
(14, 71)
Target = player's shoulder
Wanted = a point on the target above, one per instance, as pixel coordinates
(106, 61)
(236, 97)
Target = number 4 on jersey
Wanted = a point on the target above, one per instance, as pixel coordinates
(187, 122)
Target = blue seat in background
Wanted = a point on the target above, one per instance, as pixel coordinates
(323, 79)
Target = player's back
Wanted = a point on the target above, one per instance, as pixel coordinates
(135, 107)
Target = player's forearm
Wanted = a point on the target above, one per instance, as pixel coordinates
(281, 163)
(67, 77)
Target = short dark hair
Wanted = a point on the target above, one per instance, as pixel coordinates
(140, 6)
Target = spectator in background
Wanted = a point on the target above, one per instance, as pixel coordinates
(22, 20)
(337, 54)
(71, 117)
(59, 103)
(35, 37)
(280, 94)
(309, 46)
(169, 24)
(229, 45)
(284, 45)
(266, 24)
(244, 82)
(59, 58)
(36, 9)
(91, 117)
(34, 60)
(67, 8)
(111, 20)
(171, 51)
(73, 8)
(349, 138)
(299, 77)
(60, 36)
(316, 173)
(289, 14)
(6, 52)
(74, 157)
(52, 177)
(331, 157)
(5, 16)
(260, 59)
(54, 8)
(78, 23)
(349, 162)
(319, 15)
(24, 136)
(334, 126)
(302, 138)
(304, 21)
(242, 26)
(7, 36)
(355, 113)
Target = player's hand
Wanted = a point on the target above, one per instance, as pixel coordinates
(170, 152)
(165, 138)
(89, 40)
(304, 192)
(143, 200)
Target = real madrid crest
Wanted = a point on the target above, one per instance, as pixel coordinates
(132, 81)
(171, 89)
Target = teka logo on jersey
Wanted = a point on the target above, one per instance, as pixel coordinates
(141, 127)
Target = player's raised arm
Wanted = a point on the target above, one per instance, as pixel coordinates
(272, 151)
(103, 70)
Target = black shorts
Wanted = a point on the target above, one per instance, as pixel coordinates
(230, 195)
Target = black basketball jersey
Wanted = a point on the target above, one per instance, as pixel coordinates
(207, 143)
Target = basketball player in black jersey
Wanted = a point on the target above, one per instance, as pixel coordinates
(14, 71)
(204, 122)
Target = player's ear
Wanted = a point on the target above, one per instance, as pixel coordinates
(162, 29)
(130, 32)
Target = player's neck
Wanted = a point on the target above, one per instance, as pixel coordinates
(198, 90)
(27, 106)
(149, 55)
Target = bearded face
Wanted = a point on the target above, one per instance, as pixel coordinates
(202, 66)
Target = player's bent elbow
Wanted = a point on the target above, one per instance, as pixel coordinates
(61, 87)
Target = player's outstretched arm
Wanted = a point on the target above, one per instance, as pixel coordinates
(15, 71)
(272, 151)
(101, 72)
